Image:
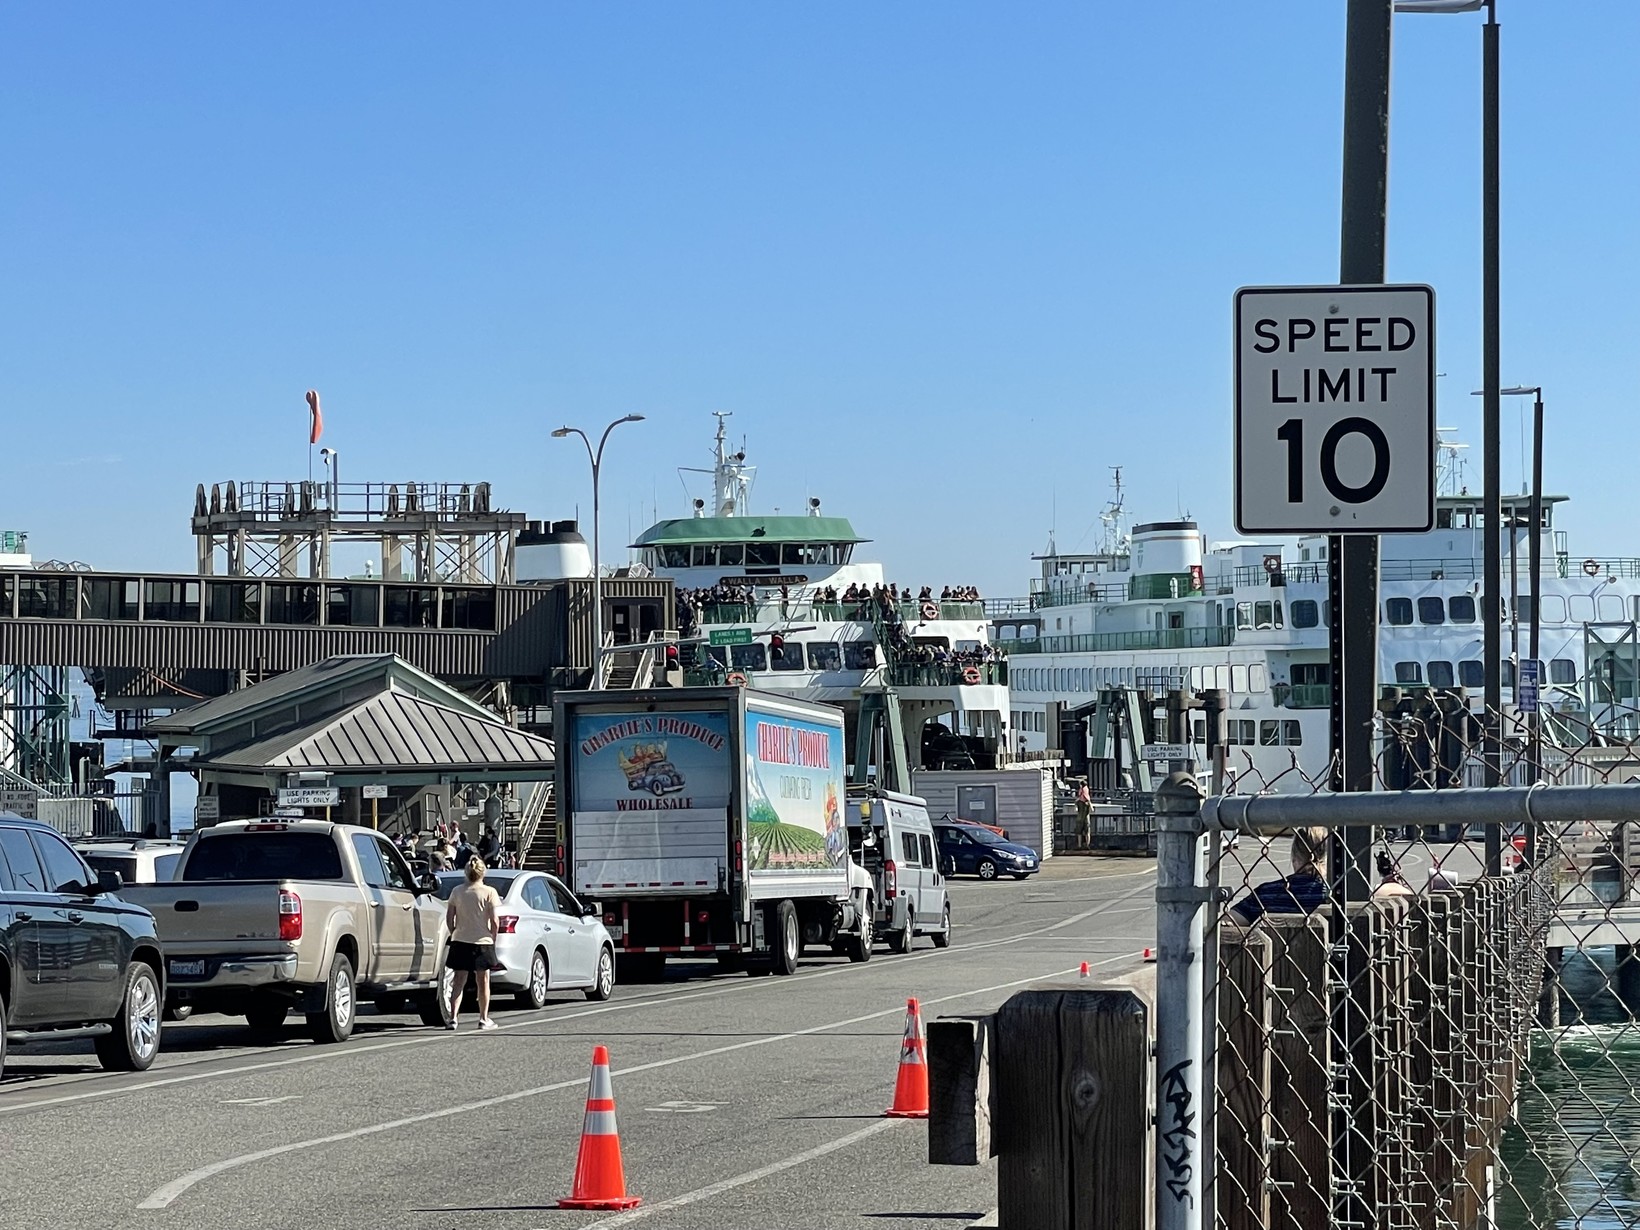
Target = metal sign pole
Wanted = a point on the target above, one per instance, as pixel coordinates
(1353, 585)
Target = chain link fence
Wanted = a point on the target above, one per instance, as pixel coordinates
(1414, 1008)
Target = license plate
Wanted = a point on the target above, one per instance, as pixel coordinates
(614, 929)
(187, 969)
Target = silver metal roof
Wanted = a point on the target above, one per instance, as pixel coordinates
(390, 732)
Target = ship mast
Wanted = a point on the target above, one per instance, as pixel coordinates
(731, 476)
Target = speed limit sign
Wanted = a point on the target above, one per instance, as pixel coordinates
(1335, 409)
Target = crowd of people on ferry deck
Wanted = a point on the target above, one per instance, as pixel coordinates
(856, 602)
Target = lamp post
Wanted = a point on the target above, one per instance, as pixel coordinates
(1534, 564)
(596, 457)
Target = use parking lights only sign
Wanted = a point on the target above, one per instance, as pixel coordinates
(1335, 409)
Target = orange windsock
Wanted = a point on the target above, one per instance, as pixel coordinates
(317, 424)
(600, 1179)
(911, 1085)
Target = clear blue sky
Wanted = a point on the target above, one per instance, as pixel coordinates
(946, 263)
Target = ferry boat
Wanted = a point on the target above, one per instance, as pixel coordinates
(762, 600)
(1161, 607)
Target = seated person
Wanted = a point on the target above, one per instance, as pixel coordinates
(1303, 892)
(1391, 883)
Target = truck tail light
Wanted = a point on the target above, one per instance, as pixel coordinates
(560, 861)
(891, 879)
(290, 916)
(739, 856)
(507, 924)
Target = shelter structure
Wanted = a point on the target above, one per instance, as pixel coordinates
(351, 726)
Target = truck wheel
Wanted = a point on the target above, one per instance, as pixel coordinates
(534, 994)
(434, 1009)
(859, 944)
(132, 1045)
(790, 938)
(335, 1023)
(942, 939)
(265, 1014)
(899, 939)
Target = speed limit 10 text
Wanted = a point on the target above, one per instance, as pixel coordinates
(1337, 335)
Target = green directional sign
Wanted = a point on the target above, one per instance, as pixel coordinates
(730, 636)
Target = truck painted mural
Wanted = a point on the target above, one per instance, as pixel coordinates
(651, 761)
(794, 788)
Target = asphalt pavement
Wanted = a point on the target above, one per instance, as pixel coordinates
(741, 1102)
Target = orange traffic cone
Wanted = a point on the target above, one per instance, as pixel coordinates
(600, 1181)
(1084, 972)
(911, 1086)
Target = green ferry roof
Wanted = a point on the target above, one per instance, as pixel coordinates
(748, 529)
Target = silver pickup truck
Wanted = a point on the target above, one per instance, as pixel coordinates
(269, 915)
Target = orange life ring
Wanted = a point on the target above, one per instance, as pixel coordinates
(970, 674)
(1591, 567)
(736, 679)
(930, 611)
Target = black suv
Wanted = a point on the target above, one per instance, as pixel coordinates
(75, 961)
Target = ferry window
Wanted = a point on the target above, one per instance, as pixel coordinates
(675, 557)
(1198, 730)
(1440, 674)
(1238, 678)
(1292, 734)
(1409, 672)
(1460, 609)
(792, 553)
(1246, 725)
(1472, 674)
(1431, 611)
(1611, 608)
(825, 656)
(1581, 607)
(762, 554)
(1398, 611)
(718, 654)
(469, 608)
(113, 598)
(355, 605)
(1305, 613)
(789, 659)
(731, 555)
(1562, 670)
(749, 657)
(1554, 609)
(1257, 678)
(1269, 733)
(1508, 674)
(703, 556)
(845, 550)
(402, 607)
(1262, 617)
(860, 655)
(46, 597)
(232, 602)
(1279, 623)
(1244, 615)
(299, 604)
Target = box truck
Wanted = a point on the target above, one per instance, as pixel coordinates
(710, 822)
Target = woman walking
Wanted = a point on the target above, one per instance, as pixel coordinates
(473, 922)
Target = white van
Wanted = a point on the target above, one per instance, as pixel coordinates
(891, 838)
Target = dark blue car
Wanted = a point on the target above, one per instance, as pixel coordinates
(968, 849)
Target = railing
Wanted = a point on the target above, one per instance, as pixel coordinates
(774, 610)
(1309, 696)
(1437, 569)
(1101, 642)
(1064, 594)
(945, 674)
(534, 808)
(282, 501)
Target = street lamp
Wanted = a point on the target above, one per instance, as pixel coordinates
(1491, 444)
(596, 457)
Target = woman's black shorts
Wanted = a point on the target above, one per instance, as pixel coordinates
(470, 957)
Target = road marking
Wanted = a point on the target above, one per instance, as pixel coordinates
(289, 1097)
(550, 1017)
(684, 1108)
(162, 1197)
(751, 1176)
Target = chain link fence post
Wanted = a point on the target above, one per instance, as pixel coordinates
(1182, 1151)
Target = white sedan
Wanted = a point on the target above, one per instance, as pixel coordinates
(549, 940)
